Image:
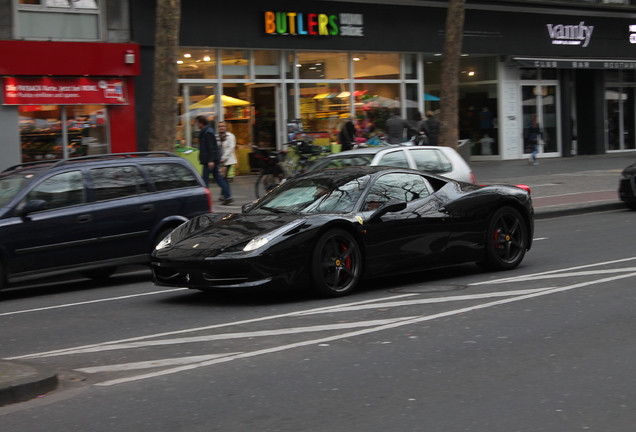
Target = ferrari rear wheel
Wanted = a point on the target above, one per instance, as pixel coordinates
(336, 264)
(506, 240)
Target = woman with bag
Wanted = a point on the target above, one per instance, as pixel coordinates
(227, 142)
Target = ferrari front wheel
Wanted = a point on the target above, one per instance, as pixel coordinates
(506, 240)
(336, 264)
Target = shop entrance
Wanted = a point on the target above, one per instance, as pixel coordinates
(542, 100)
(264, 100)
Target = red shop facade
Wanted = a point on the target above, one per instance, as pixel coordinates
(66, 99)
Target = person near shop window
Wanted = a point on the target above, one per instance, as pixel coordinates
(430, 126)
(534, 137)
(210, 156)
(347, 135)
(227, 142)
(397, 129)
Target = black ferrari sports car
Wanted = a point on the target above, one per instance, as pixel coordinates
(329, 229)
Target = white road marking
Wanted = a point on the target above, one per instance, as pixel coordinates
(226, 336)
(431, 300)
(152, 363)
(196, 329)
(90, 301)
(397, 323)
(533, 275)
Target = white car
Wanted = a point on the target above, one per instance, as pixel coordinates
(438, 160)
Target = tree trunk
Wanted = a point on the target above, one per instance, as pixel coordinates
(163, 123)
(449, 110)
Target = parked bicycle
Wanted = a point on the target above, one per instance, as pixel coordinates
(277, 166)
(270, 171)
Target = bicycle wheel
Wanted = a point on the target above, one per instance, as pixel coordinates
(265, 183)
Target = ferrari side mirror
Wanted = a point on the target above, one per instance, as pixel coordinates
(389, 207)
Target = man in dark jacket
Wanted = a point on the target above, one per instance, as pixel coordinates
(209, 157)
(396, 127)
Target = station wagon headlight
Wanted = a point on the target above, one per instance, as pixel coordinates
(262, 240)
(166, 242)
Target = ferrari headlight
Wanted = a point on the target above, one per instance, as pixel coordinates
(166, 242)
(262, 240)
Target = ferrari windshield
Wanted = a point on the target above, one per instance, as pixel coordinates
(11, 184)
(312, 195)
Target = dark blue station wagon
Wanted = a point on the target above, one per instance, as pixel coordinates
(92, 214)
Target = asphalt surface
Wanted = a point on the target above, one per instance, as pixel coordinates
(560, 187)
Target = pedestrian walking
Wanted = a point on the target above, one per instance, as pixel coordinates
(534, 137)
(347, 135)
(209, 157)
(227, 142)
(397, 128)
(430, 126)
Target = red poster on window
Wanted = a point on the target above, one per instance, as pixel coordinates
(64, 91)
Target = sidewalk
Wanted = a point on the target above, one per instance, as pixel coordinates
(560, 186)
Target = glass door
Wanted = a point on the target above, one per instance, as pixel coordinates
(620, 108)
(264, 99)
(542, 101)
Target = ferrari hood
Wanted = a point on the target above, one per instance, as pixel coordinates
(210, 234)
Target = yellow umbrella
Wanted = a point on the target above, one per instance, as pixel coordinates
(227, 101)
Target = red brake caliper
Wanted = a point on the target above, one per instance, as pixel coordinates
(347, 260)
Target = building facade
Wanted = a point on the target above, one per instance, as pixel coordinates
(67, 71)
(266, 66)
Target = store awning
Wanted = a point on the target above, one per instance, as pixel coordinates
(227, 101)
(573, 63)
(430, 97)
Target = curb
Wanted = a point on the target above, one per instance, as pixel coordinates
(573, 209)
(21, 382)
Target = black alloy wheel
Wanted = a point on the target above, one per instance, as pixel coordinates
(506, 240)
(336, 264)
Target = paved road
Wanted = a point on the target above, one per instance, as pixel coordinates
(547, 346)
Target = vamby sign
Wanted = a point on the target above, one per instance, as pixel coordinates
(570, 34)
(632, 34)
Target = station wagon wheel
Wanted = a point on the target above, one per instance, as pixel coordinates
(506, 240)
(336, 265)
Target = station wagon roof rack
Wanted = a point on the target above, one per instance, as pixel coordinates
(58, 162)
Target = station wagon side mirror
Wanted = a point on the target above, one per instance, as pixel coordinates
(33, 206)
(389, 207)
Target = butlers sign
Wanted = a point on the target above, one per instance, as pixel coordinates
(313, 24)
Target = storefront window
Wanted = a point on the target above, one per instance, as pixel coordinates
(235, 64)
(237, 112)
(323, 106)
(322, 65)
(376, 66)
(266, 64)
(55, 132)
(474, 69)
(410, 66)
(197, 100)
(372, 105)
(197, 63)
(87, 131)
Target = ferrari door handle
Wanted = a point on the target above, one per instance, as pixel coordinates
(147, 208)
(84, 218)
